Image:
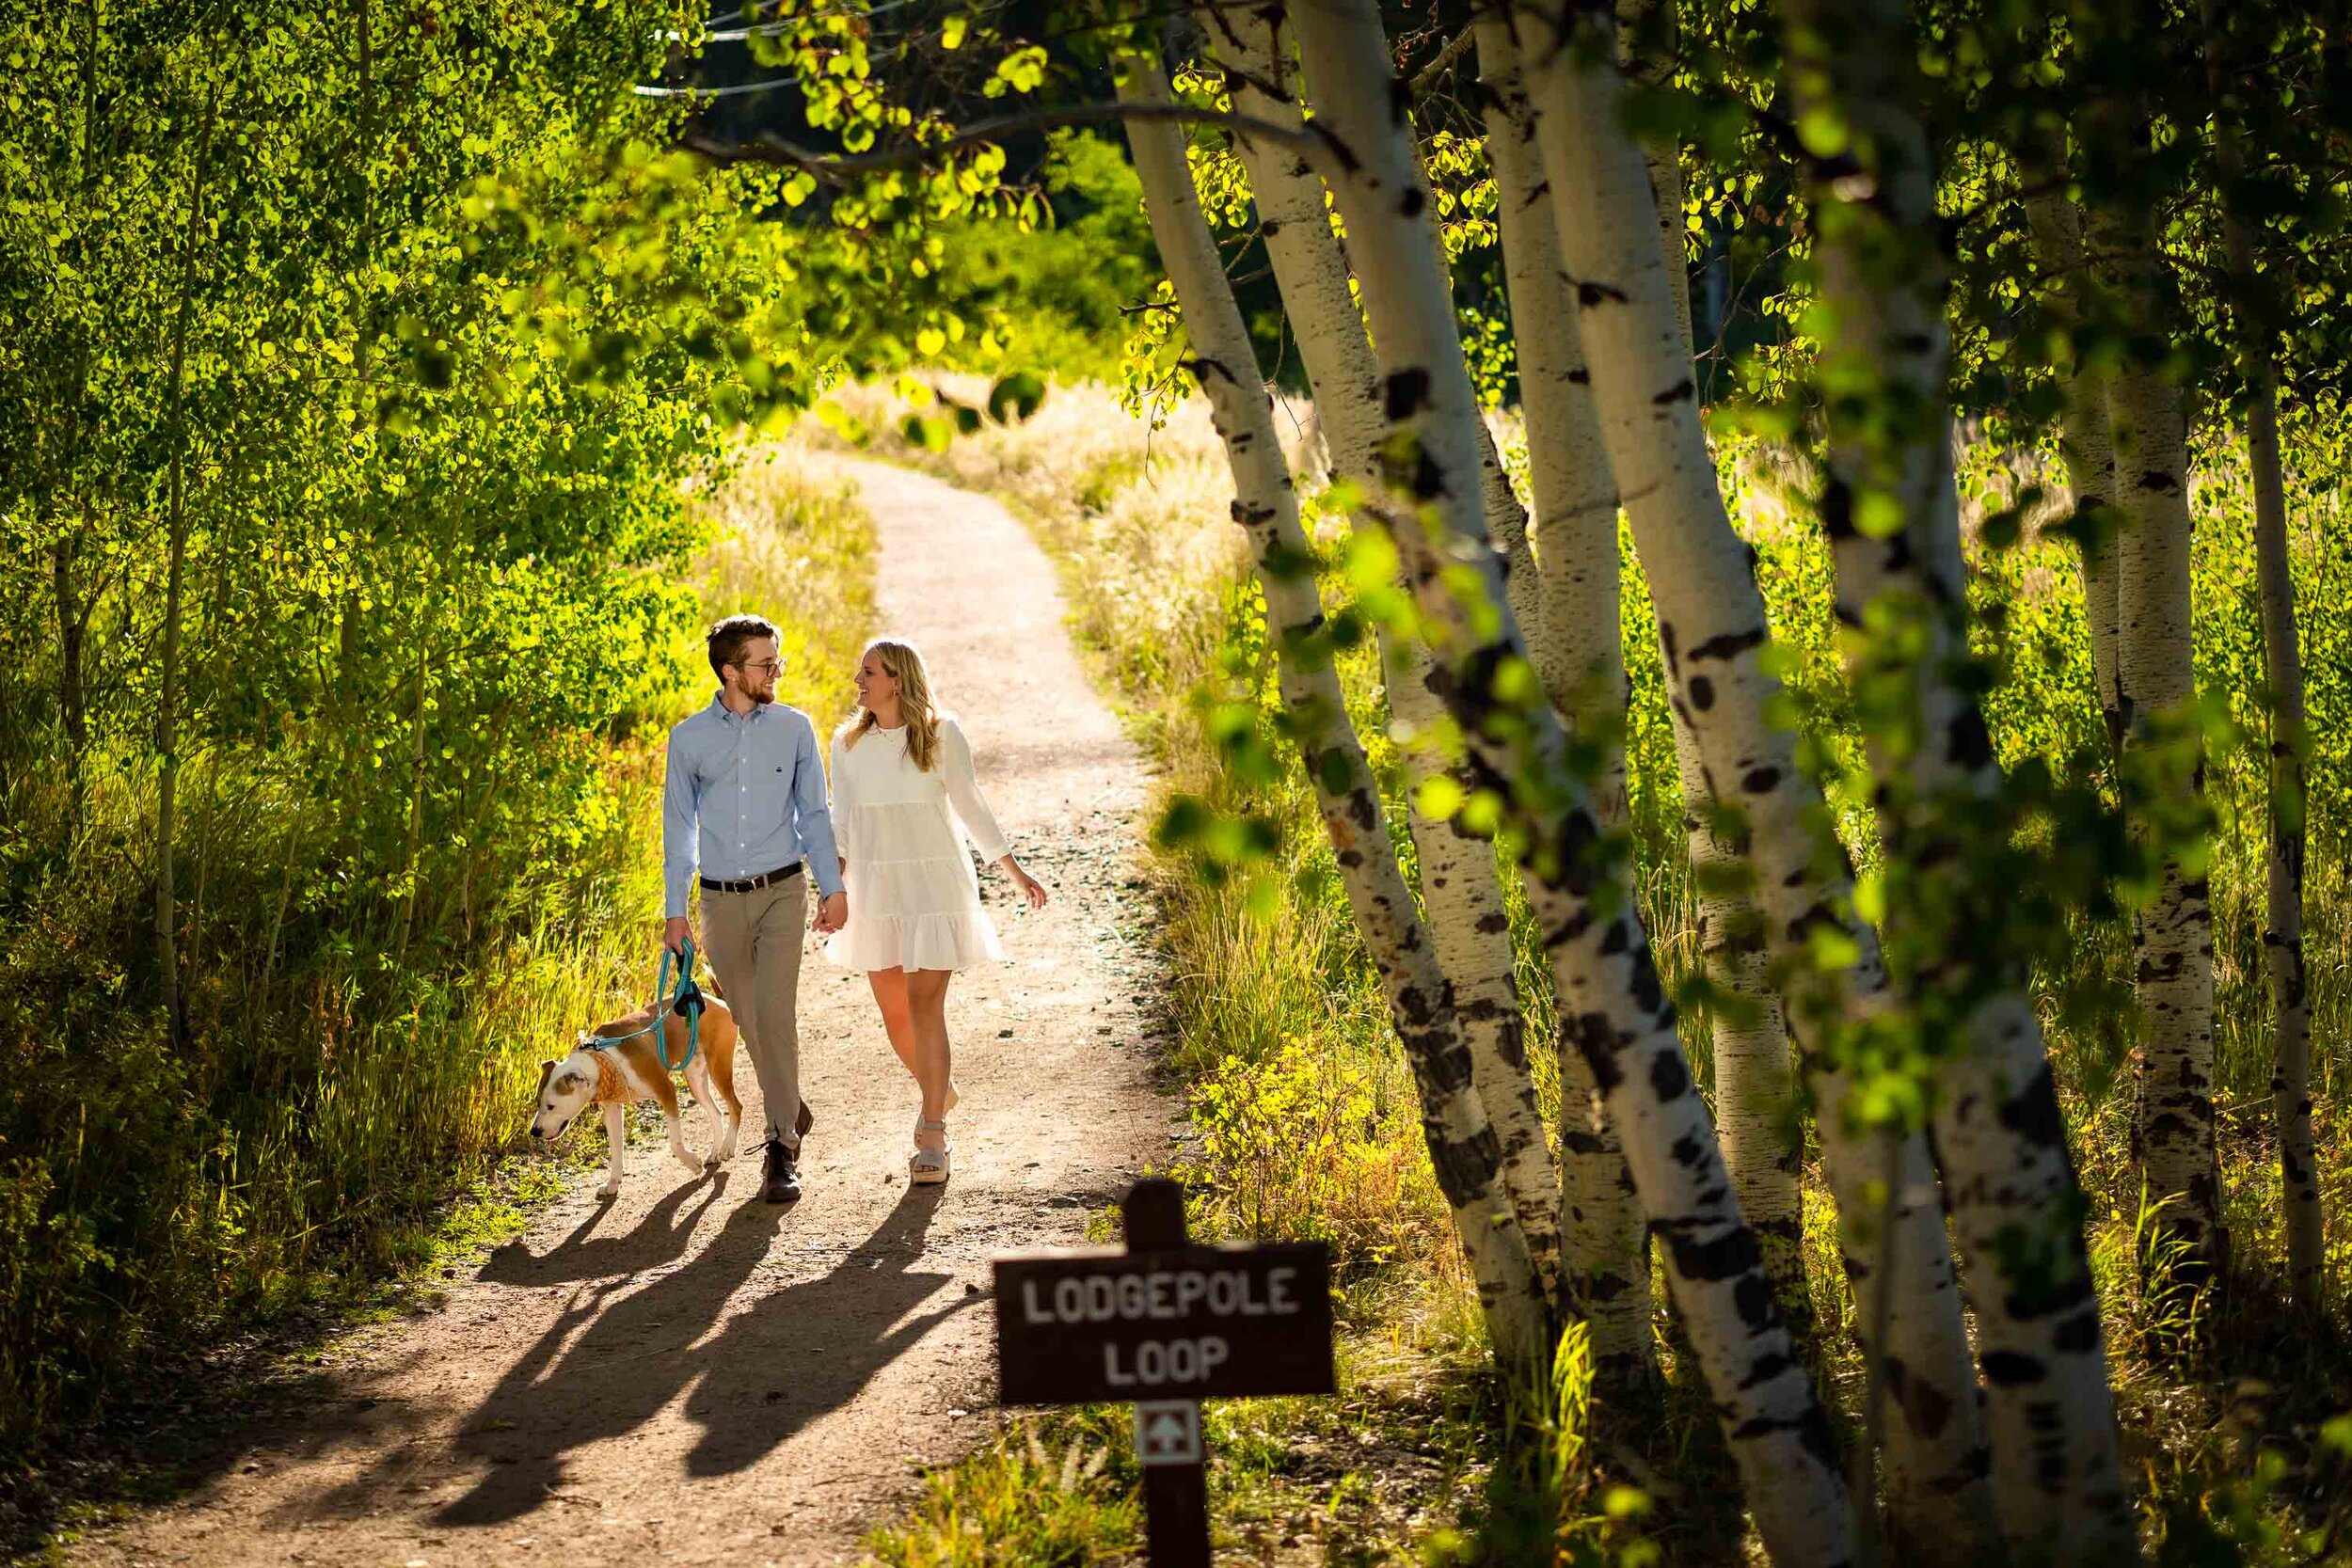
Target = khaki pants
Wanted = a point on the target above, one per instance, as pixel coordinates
(755, 940)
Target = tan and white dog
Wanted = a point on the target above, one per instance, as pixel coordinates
(617, 1076)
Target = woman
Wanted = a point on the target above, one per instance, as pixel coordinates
(902, 783)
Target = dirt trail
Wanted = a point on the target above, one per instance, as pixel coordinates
(687, 1376)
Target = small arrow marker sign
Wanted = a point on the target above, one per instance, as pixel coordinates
(1164, 1318)
(1167, 1432)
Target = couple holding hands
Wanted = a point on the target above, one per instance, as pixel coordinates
(744, 805)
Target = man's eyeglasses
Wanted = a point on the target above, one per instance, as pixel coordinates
(765, 667)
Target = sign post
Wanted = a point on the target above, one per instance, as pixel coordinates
(1162, 1326)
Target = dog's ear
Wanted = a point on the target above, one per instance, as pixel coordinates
(545, 1067)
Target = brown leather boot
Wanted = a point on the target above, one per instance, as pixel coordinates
(781, 1182)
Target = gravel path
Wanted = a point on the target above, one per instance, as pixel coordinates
(687, 1376)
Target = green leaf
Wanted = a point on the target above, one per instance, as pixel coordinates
(1023, 392)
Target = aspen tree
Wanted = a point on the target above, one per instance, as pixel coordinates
(2086, 435)
(1574, 637)
(2290, 741)
(1755, 1082)
(1582, 901)
(2172, 1124)
(1892, 513)
(1462, 1143)
(1712, 629)
(1461, 888)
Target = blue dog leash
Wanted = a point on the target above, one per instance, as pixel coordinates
(686, 1001)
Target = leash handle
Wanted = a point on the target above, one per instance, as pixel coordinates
(687, 998)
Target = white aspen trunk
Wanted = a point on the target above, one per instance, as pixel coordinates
(2086, 435)
(2172, 1122)
(1575, 638)
(2282, 943)
(2056, 1466)
(1713, 628)
(1758, 1113)
(1461, 888)
(1507, 522)
(1754, 1078)
(1663, 160)
(1462, 1145)
(1584, 903)
(2283, 668)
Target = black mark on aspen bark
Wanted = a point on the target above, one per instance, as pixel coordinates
(1408, 394)
(2077, 1335)
(1729, 1256)
(1927, 1408)
(2011, 1367)
(1702, 694)
(1465, 1166)
(1731, 644)
(1668, 1078)
(1400, 100)
(1681, 391)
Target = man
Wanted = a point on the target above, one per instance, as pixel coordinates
(745, 798)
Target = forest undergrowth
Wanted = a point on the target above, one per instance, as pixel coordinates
(346, 1120)
(1308, 1126)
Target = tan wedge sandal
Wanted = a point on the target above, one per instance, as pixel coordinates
(929, 1166)
(952, 1098)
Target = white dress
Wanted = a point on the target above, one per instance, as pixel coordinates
(913, 900)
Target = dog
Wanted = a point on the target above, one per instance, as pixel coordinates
(618, 1075)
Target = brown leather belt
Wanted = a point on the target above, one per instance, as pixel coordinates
(751, 884)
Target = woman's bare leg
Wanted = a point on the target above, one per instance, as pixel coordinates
(897, 1013)
(934, 1067)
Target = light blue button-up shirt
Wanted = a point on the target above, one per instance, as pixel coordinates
(745, 794)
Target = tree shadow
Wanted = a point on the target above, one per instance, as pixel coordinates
(799, 1354)
(659, 1237)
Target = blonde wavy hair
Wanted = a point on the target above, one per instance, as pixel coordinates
(904, 665)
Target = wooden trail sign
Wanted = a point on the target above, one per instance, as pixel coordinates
(1165, 1324)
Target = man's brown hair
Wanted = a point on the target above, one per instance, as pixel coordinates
(726, 640)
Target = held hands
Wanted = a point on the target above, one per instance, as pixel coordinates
(833, 912)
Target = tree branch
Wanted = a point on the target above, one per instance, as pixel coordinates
(1455, 49)
(1311, 141)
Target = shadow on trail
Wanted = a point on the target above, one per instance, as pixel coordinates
(661, 1236)
(607, 1366)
